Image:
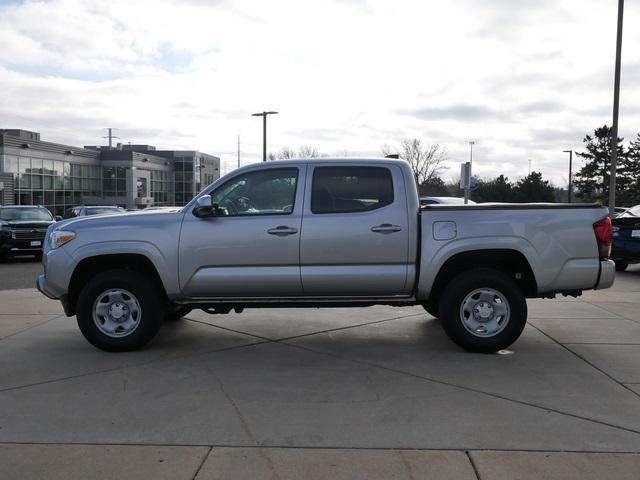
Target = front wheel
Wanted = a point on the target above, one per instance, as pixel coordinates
(120, 310)
(483, 310)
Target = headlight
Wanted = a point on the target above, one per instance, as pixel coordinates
(4, 227)
(60, 237)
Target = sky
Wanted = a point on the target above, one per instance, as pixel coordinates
(522, 79)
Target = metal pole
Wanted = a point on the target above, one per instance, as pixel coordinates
(467, 191)
(264, 137)
(264, 131)
(616, 105)
(570, 162)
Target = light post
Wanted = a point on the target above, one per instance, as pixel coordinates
(570, 152)
(264, 131)
(616, 106)
(467, 193)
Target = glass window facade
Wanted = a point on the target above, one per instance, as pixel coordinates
(162, 188)
(52, 183)
(114, 181)
(58, 178)
(184, 180)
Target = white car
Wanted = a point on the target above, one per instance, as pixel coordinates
(443, 200)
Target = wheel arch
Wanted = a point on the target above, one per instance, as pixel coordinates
(511, 262)
(90, 266)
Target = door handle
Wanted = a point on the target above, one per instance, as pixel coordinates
(282, 230)
(386, 228)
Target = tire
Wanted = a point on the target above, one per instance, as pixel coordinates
(108, 298)
(431, 306)
(480, 296)
(621, 266)
(177, 313)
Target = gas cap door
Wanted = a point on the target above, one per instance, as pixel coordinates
(444, 230)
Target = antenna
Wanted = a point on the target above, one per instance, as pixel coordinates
(110, 136)
(238, 150)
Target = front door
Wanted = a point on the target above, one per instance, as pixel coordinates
(355, 234)
(252, 249)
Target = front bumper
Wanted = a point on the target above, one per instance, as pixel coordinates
(17, 246)
(41, 285)
(607, 274)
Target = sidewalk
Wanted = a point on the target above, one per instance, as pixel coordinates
(63, 462)
(371, 393)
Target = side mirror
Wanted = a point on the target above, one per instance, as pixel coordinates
(204, 206)
(58, 218)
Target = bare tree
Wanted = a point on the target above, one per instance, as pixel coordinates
(426, 161)
(305, 151)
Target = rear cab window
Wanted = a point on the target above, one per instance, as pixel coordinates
(350, 189)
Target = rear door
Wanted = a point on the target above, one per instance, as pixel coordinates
(355, 236)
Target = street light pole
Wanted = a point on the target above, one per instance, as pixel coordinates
(467, 192)
(264, 131)
(616, 105)
(570, 152)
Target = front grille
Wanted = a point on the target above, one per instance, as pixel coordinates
(29, 234)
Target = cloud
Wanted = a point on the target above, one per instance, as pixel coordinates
(453, 112)
(523, 79)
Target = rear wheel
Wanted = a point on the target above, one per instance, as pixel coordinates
(621, 266)
(483, 310)
(120, 310)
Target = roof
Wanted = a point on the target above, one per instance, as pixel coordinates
(333, 160)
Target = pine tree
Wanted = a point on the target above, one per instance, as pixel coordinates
(592, 181)
(630, 190)
(533, 188)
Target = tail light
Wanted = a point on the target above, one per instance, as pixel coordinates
(604, 236)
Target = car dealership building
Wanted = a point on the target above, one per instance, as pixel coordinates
(35, 172)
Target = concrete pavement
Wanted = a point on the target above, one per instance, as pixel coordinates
(324, 393)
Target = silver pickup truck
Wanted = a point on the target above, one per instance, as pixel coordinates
(324, 233)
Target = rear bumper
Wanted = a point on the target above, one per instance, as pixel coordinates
(607, 274)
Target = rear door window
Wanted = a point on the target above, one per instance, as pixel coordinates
(350, 189)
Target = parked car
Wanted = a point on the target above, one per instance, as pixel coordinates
(164, 209)
(626, 238)
(443, 200)
(617, 211)
(82, 211)
(23, 229)
(324, 233)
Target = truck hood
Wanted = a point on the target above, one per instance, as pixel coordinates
(27, 223)
(126, 220)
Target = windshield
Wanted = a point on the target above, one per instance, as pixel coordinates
(36, 213)
(102, 211)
